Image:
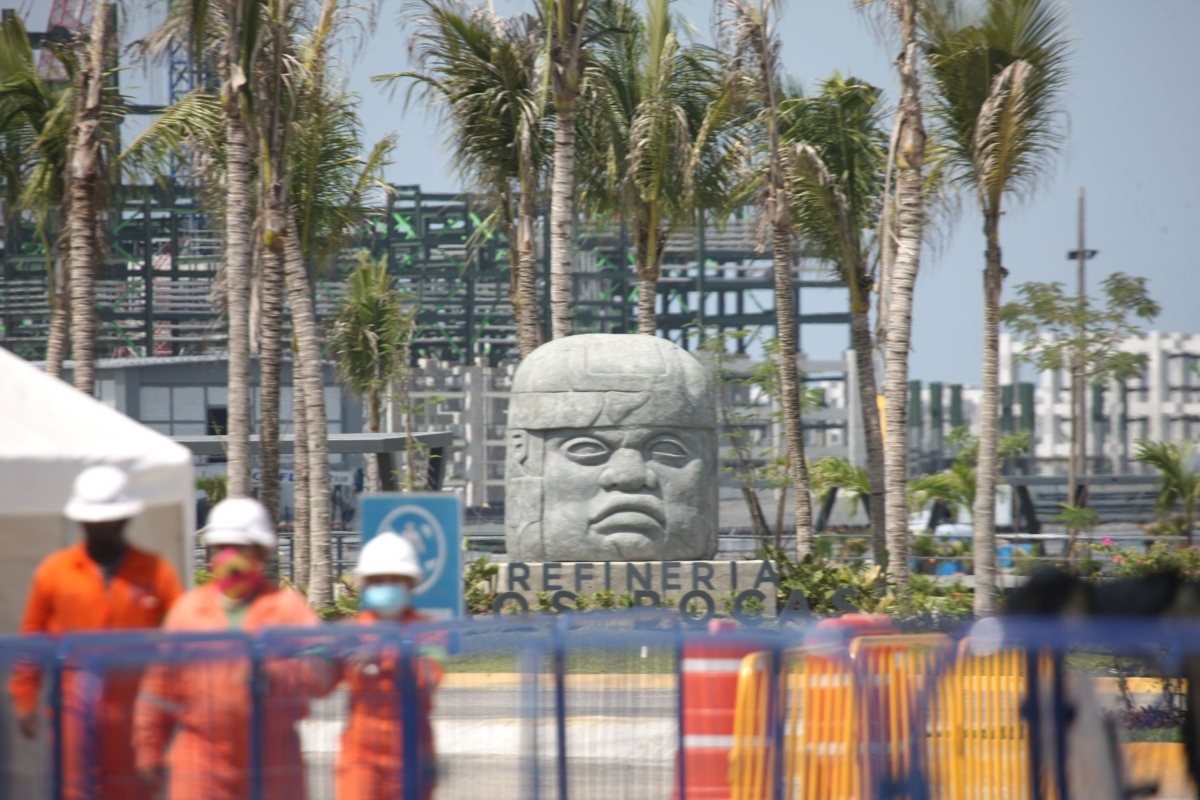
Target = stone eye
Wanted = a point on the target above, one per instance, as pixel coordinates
(668, 450)
(586, 451)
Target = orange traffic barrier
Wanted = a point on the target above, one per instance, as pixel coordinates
(859, 624)
(710, 680)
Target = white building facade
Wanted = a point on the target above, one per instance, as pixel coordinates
(1163, 404)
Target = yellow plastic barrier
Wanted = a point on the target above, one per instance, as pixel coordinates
(749, 760)
(849, 718)
(1157, 763)
(827, 715)
(901, 677)
(978, 740)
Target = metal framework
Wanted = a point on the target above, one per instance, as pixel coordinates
(159, 295)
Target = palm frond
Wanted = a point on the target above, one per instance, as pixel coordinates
(196, 120)
(983, 101)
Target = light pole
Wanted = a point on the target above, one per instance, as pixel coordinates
(1078, 459)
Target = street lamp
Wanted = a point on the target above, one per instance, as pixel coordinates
(1081, 255)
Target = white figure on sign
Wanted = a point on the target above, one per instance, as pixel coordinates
(420, 529)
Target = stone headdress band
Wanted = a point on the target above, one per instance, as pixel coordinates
(604, 380)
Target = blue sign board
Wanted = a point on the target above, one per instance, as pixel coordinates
(432, 522)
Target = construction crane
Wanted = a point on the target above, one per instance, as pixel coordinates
(67, 19)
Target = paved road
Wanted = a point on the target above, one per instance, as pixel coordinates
(621, 743)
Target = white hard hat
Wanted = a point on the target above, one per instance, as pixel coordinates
(239, 521)
(388, 554)
(101, 494)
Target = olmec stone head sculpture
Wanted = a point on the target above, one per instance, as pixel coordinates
(612, 453)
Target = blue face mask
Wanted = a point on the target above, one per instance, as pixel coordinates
(387, 599)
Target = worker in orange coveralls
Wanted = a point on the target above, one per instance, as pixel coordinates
(101, 584)
(206, 703)
(369, 766)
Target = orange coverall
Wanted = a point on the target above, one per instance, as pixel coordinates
(69, 594)
(207, 705)
(369, 766)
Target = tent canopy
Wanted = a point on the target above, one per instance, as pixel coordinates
(49, 433)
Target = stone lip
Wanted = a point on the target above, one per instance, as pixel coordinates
(655, 582)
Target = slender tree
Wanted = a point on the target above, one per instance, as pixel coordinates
(328, 183)
(36, 130)
(655, 146)
(752, 46)
(235, 68)
(1072, 332)
(482, 74)
(566, 26)
(998, 77)
(272, 79)
(368, 338)
(228, 31)
(84, 182)
(902, 264)
(835, 182)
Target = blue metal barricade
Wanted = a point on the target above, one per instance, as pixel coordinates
(27, 763)
(585, 706)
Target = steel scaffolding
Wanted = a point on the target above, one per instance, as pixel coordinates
(159, 293)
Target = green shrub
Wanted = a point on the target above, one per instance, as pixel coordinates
(479, 585)
(345, 602)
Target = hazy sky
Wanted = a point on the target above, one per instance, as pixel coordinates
(1134, 118)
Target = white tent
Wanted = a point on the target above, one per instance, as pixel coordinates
(49, 433)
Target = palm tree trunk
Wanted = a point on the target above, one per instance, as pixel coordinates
(983, 517)
(312, 379)
(789, 382)
(239, 213)
(269, 365)
(779, 508)
(864, 351)
(647, 279)
(373, 480)
(301, 499)
(84, 180)
(56, 344)
(647, 301)
(60, 294)
(910, 222)
(529, 327)
(562, 217)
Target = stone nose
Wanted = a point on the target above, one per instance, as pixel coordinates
(626, 471)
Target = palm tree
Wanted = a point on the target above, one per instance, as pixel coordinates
(831, 472)
(483, 74)
(752, 47)
(835, 184)
(657, 112)
(273, 124)
(317, 169)
(1178, 482)
(998, 79)
(84, 186)
(36, 130)
(369, 338)
(901, 257)
(567, 29)
(328, 181)
(231, 28)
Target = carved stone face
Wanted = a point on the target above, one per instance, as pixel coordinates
(611, 453)
(625, 494)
